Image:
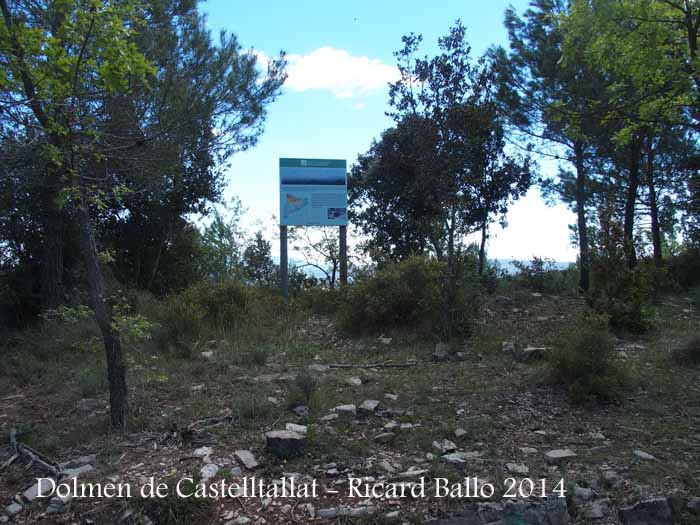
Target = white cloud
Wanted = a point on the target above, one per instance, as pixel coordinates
(336, 70)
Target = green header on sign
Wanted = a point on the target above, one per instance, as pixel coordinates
(312, 163)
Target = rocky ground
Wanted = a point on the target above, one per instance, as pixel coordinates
(396, 414)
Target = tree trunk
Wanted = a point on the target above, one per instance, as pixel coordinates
(52, 253)
(116, 371)
(482, 246)
(584, 252)
(630, 201)
(653, 205)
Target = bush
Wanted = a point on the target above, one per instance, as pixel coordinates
(416, 293)
(303, 389)
(200, 309)
(621, 292)
(584, 362)
(321, 301)
(684, 268)
(542, 275)
(688, 352)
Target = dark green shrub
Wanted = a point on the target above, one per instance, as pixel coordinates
(584, 362)
(688, 352)
(416, 293)
(321, 301)
(304, 387)
(203, 308)
(621, 292)
(684, 268)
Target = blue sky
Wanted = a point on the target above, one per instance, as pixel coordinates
(333, 104)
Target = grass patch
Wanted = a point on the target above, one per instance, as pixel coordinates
(175, 510)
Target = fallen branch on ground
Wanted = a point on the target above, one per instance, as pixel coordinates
(386, 364)
(35, 457)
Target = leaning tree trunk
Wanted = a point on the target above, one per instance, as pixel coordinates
(116, 371)
(630, 201)
(584, 252)
(653, 205)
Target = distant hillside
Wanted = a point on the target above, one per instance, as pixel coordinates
(508, 266)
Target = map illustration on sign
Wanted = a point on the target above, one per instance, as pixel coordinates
(294, 204)
(313, 192)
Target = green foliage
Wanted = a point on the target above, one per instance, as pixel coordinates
(684, 267)
(253, 409)
(92, 380)
(321, 301)
(176, 510)
(258, 267)
(621, 292)
(223, 241)
(543, 276)
(584, 362)
(304, 387)
(687, 353)
(200, 311)
(412, 294)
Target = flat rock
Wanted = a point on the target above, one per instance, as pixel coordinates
(644, 455)
(385, 437)
(460, 433)
(368, 406)
(583, 494)
(33, 492)
(595, 510)
(329, 418)
(552, 511)
(528, 450)
(458, 458)
(391, 397)
(208, 471)
(412, 473)
(517, 468)
(354, 381)
(82, 460)
(652, 511)
(346, 410)
(444, 446)
(299, 429)
(202, 452)
(386, 466)
(247, 458)
(78, 471)
(285, 444)
(14, 508)
(558, 456)
(56, 506)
